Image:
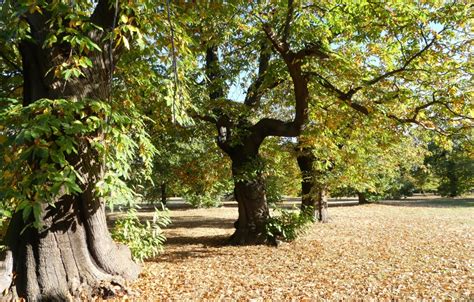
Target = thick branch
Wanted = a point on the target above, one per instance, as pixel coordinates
(213, 73)
(274, 127)
(280, 45)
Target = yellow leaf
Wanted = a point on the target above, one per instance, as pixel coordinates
(125, 42)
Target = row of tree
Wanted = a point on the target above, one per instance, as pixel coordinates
(100, 97)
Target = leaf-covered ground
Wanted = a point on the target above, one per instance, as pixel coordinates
(403, 250)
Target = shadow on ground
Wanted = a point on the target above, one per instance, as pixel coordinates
(206, 241)
(200, 222)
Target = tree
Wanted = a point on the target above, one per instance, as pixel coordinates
(314, 190)
(240, 137)
(454, 167)
(384, 61)
(68, 146)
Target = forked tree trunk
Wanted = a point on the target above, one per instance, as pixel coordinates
(249, 192)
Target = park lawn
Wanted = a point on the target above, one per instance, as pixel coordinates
(383, 251)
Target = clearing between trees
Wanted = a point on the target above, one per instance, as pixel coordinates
(409, 249)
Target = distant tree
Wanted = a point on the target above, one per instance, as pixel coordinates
(454, 167)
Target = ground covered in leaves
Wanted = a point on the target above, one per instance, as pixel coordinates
(407, 250)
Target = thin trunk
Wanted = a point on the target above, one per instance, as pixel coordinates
(305, 163)
(452, 179)
(163, 193)
(362, 198)
(323, 204)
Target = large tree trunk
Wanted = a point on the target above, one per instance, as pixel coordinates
(249, 191)
(72, 255)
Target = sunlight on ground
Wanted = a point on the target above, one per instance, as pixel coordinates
(401, 250)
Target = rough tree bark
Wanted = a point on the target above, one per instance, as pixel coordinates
(73, 255)
(241, 139)
(249, 191)
(305, 163)
(313, 193)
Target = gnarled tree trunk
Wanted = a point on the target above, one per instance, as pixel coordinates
(241, 138)
(72, 255)
(249, 191)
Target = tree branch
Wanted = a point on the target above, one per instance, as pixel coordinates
(273, 127)
(254, 93)
(401, 69)
(312, 50)
(346, 97)
(289, 18)
(281, 46)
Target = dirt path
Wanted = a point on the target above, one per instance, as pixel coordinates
(372, 251)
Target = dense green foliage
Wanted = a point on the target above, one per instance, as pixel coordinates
(38, 138)
(289, 224)
(145, 240)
